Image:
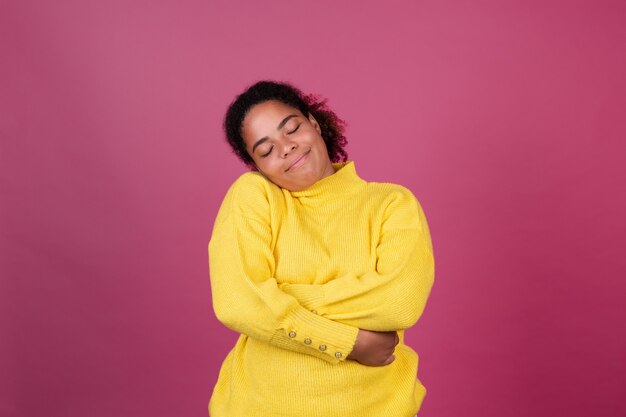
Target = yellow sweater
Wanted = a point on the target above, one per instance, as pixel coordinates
(297, 274)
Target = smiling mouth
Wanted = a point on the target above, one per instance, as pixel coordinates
(298, 161)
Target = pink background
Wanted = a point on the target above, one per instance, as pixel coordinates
(505, 118)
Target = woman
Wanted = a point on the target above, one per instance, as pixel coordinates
(319, 270)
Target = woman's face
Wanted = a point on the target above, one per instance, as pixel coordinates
(286, 146)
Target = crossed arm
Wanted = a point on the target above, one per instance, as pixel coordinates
(248, 299)
(393, 296)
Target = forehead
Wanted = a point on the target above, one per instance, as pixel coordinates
(263, 118)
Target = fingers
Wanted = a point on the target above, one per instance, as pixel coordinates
(386, 362)
(375, 348)
(389, 360)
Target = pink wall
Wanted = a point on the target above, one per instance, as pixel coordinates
(505, 118)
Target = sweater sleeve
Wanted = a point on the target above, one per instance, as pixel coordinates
(246, 296)
(393, 295)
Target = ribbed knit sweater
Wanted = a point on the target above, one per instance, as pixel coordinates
(297, 273)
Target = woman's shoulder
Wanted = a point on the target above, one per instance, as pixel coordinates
(250, 192)
(391, 192)
(251, 184)
(400, 208)
(250, 178)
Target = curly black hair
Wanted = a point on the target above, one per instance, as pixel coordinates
(332, 127)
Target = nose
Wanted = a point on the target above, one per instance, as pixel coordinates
(288, 147)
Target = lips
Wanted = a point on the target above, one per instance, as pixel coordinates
(298, 161)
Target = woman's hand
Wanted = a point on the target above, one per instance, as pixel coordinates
(374, 348)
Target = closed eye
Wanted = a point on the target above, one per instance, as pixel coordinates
(268, 152)
(294, 130)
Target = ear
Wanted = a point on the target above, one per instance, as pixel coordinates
(315, 124)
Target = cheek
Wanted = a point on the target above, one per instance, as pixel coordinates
(271, 166)
(320, 143)
(314, 138)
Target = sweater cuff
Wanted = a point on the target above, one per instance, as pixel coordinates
(334, 339)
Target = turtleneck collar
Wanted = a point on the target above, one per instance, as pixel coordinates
(344, 181)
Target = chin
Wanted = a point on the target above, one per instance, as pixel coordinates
(298, 187)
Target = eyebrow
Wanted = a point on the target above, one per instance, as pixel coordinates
(280, 126)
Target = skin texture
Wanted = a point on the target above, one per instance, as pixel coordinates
(332, 127)
(283, 144)
(374, 348)
(288, 149)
